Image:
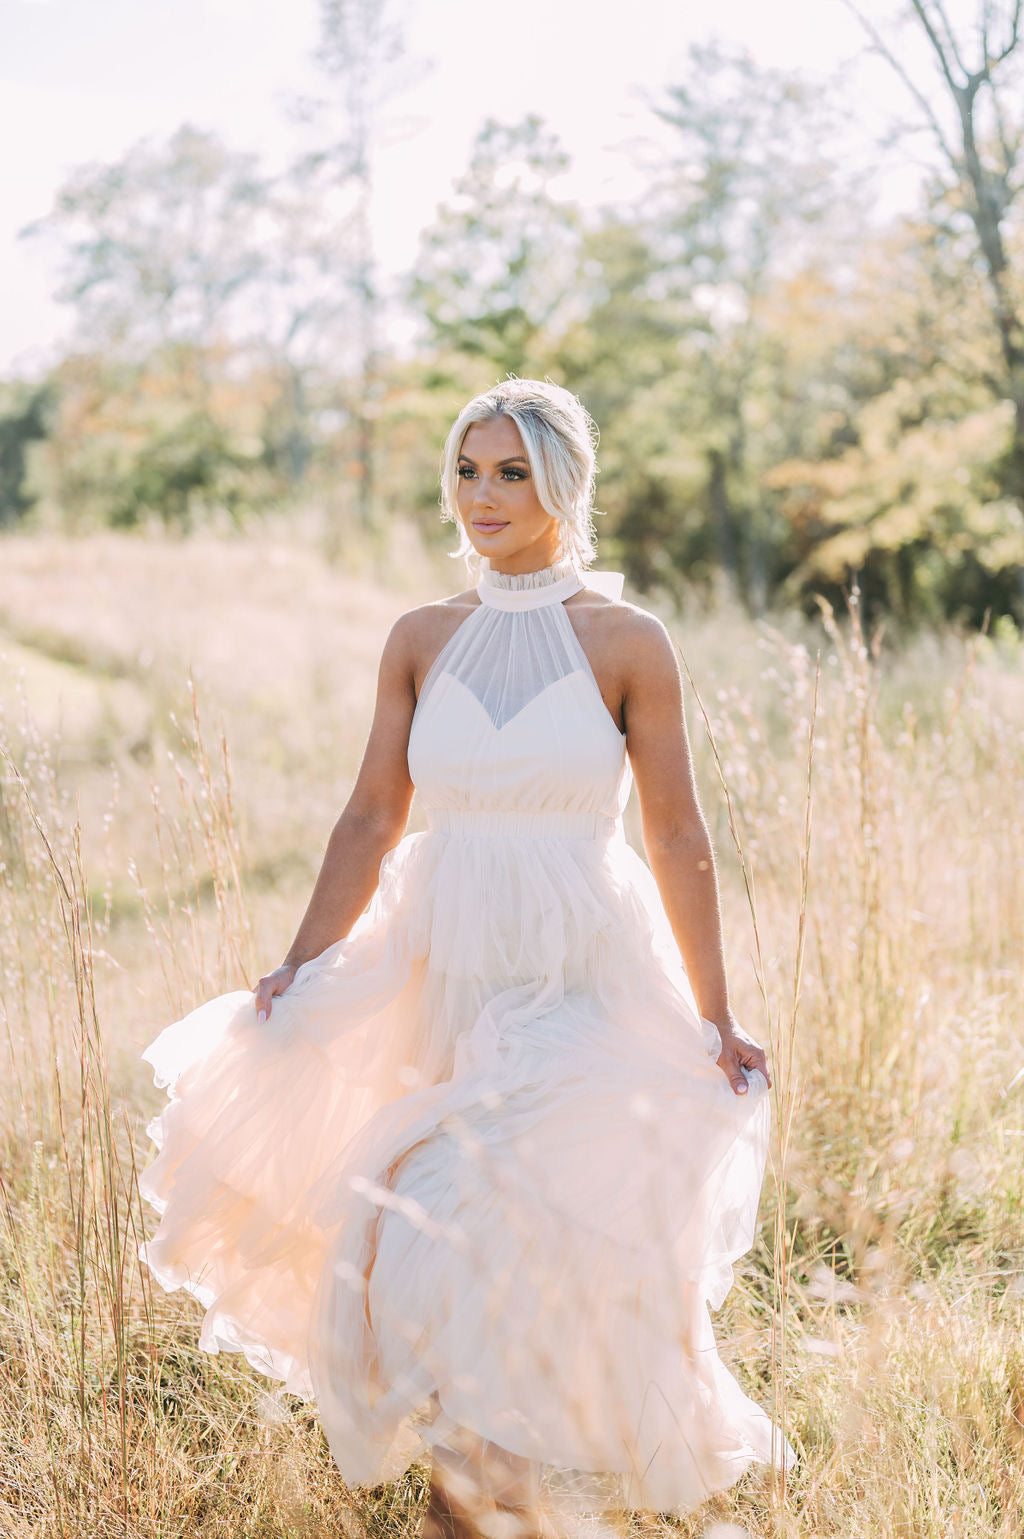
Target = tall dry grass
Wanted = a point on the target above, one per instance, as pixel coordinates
(157, 840)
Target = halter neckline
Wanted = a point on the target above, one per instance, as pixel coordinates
(529, 590)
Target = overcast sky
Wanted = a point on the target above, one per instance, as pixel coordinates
(83, 80)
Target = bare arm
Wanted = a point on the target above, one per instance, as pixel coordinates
(373, 820)
(676, 836)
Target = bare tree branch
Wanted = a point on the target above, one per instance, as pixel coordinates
(951, 42)
(986, 25)
(986, 183)
(881, 47)
(994, 59)
(1010, 147)
(936, 42)
(1013, 39)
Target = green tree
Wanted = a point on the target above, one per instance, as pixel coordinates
(751, 198)
(906, 491)
(127, 442)
(364, 65)
(622, 355)
(167, 256)
(191, 267)
(162, 247)
(26, 413)
(494, 280)
(976, 120)
(685, 347)
(920, 491)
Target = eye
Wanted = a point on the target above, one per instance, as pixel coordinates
(465, 471)
(515, 475)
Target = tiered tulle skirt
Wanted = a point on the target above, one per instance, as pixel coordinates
(476, 1175)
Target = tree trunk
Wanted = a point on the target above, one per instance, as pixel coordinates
(722, 516)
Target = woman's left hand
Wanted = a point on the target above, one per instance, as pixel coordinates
(739, 1052)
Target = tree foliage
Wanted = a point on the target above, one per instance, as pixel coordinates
(161, 247)
(495, 273)
(25, 418)
(792, 391)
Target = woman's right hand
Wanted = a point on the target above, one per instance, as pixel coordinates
(274, 983)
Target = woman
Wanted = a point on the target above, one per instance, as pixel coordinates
(471, 1164)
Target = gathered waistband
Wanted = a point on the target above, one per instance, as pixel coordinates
(526, 825)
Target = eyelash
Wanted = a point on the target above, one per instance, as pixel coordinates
(465, 471)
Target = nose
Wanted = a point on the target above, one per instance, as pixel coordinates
(482, 495)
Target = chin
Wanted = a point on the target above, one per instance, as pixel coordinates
(507, 544)
(504, 542)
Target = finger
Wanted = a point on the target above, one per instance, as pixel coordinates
(751, 1055)
(277, 986)
(261, 999)
(757, 1060)
(729, 1064)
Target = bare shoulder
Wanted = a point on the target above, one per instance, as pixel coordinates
(649, 646)
(652, 696)
(642, 629)
(651, 668)
(418, 635)
(637, 639)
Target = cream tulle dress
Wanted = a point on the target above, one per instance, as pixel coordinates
(479, 1169)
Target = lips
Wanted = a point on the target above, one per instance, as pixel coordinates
(488, 525)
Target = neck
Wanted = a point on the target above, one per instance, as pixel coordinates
(557, 568)
(523, 562)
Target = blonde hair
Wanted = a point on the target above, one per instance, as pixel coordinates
(559, 437)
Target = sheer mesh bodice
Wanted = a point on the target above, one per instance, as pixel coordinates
(510, 720)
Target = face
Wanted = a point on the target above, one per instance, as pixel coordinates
(498, 501)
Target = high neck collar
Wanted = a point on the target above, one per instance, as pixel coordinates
(529, 590)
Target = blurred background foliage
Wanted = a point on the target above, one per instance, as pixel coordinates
(792, 392)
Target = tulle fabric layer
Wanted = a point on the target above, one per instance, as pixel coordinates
(471, 1177)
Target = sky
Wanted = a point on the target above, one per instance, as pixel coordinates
(83, 82)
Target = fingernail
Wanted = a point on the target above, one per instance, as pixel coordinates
(741, 1087)
(262, 1015)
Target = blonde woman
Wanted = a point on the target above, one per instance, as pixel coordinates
(471, 1165)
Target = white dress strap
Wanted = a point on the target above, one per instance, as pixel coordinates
(608, 583)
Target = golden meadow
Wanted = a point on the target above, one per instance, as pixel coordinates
(180, 723)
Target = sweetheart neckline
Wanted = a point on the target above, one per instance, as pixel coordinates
(574, 673)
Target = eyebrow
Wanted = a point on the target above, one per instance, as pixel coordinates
(516, 459)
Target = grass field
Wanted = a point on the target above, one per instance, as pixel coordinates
(158, 839)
